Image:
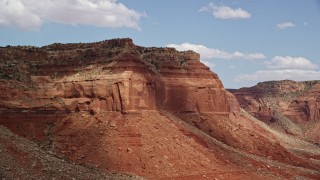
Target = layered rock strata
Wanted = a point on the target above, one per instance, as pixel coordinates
(113, 75)
(299, 101)
(288, 106)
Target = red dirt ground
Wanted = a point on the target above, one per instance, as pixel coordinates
(161, 145)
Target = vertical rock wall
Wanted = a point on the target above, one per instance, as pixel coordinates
(113, 75)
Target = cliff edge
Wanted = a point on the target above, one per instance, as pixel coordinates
(112, 75)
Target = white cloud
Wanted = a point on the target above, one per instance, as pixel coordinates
(291, 74)
(284, 67)
(208, 63)
(288, 62)
(225, 12)
(30, 14)
(208, 53)
(285, 25)
(15, 13)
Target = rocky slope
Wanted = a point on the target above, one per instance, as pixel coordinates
(22, 159)
(293, 107)
(153, 112)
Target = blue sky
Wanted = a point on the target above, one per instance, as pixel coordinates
(244, 41)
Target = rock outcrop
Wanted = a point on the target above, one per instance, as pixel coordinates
(113, 75)
(299, 101)
(293, 107)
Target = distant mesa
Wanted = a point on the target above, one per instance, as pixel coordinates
(292, 107)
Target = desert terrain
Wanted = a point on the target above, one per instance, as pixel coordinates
(116, 110)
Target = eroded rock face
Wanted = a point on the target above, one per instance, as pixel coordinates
(113, 75)
(299, 101)
(288, 106)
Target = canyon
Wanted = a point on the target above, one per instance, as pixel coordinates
(138, 112)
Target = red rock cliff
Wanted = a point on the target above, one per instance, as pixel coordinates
(112, 75)
(296, 100)
(292, 107)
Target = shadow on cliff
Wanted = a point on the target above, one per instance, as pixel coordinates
(36, 125)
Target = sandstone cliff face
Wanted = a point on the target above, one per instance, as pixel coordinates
(297, 100)
(113, 75)
(293, 107)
